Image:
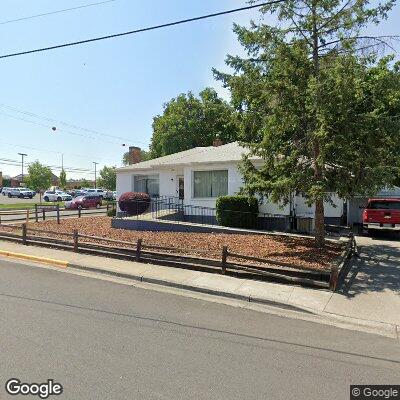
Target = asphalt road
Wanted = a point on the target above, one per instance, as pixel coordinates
(104, 340)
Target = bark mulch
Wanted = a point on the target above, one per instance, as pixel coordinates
(299, 252)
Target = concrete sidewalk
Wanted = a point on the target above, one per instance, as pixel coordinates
(369, 312)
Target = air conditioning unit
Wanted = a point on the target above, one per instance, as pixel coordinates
(305, 225)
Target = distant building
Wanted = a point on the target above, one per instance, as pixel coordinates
(16, 181)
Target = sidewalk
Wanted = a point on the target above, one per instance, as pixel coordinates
(369, 311)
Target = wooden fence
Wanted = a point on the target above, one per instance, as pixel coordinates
(225, 262)
(41, 212)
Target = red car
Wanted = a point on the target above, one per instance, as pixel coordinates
(88, 201)
(382, 214)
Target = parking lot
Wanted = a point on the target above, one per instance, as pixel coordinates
(16, 200)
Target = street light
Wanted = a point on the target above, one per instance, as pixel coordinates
(95, 174)
(22, 164)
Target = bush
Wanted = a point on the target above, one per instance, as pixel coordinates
(112, 212)
(134, 203)
(237, 211)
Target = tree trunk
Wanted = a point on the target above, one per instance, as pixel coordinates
(318, 170)
(319, 223)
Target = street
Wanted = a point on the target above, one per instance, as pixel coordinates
(104, 340)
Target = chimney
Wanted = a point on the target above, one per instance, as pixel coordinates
(134, 155)
(217, 141)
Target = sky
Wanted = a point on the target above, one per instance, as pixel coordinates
(113, 87)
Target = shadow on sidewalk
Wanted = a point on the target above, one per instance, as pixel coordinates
(377, 269)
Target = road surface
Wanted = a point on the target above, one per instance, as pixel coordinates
(104, 340)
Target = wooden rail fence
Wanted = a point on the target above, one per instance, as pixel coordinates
(225, 262)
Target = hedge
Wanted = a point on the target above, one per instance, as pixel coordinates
(237, 211)
(134, 203)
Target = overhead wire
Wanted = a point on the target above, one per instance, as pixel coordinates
(140, 30)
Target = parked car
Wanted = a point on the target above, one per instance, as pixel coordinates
(56, 195)
(86, 201)
(108, 195)
(382, 214)
(5, 191)
(21, 193)
(96, 192)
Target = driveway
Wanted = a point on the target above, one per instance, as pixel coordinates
(371, 289)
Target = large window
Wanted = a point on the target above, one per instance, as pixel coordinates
(210, 183)
(147, 184)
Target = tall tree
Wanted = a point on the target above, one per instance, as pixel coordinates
(314, 105)
(39, 177)
(189, 121)
(63, 178)
(108, 178)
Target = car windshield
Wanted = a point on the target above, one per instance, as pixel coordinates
(384, 205)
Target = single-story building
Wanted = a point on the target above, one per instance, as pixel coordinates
(199, 176)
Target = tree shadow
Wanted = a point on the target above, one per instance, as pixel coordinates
(376, 269)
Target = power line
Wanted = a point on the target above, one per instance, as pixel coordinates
(151, 28)
(60, 129)
(55, 12)
(43, 117)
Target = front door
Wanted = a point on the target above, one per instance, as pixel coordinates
(181, 187)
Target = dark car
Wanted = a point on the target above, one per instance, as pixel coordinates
(87, 201)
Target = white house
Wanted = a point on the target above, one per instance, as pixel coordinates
(200, 175)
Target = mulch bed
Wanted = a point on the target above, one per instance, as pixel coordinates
(300, 252)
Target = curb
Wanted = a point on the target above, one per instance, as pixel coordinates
(43, 260)
(381, 328)
(162, 282)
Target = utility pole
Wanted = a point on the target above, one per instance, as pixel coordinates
(95, 174)
(22, 165)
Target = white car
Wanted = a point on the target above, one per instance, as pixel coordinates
(5, 191)
(56, 195)
(21, 193)
(96, 192)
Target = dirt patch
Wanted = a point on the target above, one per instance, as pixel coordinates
(299, 252)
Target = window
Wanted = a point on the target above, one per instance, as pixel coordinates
(384, 205)
(147, 184)
(210, 183)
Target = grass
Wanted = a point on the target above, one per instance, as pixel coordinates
(24, 206)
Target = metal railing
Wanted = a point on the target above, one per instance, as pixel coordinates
(173, 209)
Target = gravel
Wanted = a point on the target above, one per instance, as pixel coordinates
(299, 252)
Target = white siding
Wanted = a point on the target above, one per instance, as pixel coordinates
(331, 211)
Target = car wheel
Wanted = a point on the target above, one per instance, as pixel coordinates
(46, 199)
(9, 195)
(59, 199)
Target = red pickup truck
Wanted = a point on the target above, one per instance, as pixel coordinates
(382, 214)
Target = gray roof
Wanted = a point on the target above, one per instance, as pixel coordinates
(225, 153)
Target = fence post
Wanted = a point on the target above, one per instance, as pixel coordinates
(333, 279)
(76, 244)
(58, 214)
(79, 212)
(107, 206)
(24, 234)
(36, 213)
(27, 215)
(138, 249)
(43, 214)
(224, 258)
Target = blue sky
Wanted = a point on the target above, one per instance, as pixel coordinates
(114, 87)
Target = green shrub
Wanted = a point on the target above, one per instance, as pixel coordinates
(237, 211)
(112, 212)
